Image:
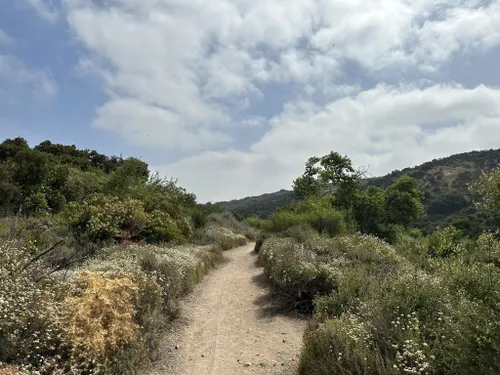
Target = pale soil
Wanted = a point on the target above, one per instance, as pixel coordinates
(230, 325)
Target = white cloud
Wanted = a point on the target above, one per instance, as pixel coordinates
(159, 128)
(183, 74)
(203, 60)
(461, 29)
(46, 9)
(386, 128)
(14, 75)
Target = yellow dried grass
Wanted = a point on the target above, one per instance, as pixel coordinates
(102, 317)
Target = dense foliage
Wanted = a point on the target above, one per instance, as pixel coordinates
(387, 299)
(447, 199)
(95, 253)
(96, 197)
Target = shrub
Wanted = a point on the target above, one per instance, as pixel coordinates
(31, 332)
(339, 346)
(101, 320)
(36, 204)
(223, 238)
(104, 217)
(175, 269)
(317, 266)
(257, 223)
(161, 227)
(107, 318)
(296, 271)
(400, 327)
(258, 244)
(317, 213)
(260, 241)
(353, 285)
(487, 249)
(447, 241)
(227, 220)
(301, 232)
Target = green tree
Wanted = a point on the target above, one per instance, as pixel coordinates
(488, 188)
(31, 170)
(131, 173)
(308, 184)
(403, 202)
(10, 195)
(10, 147)
(331, 174)
(369, 210)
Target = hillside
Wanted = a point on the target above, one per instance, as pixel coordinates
(261, 205)
(444, 182)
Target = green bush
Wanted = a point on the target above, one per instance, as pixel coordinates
(256, 222)
(104, 217)
(317, 213)
(447, 241)
(487, 249)
(36, 204)
(317, 266)
(161, 227)
(106, 318)
(384, 316)
(399, 327)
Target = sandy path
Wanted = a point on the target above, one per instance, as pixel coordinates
(231, 327)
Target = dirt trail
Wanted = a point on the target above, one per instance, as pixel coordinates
(230, 326)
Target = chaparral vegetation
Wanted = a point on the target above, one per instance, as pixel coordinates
(385, 298)
(95, 253)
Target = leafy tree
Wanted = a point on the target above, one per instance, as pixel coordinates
(308, 184)
(10, 195)
(103, 217)
(403, 202)
(10, 147)
(80, 185)
(31, 170)
(331, 174)
(488, 188)
(369, 210)
(131, 173)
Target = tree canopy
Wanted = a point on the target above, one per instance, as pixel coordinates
(376, 211)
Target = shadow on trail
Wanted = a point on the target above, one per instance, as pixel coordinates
(272, 304)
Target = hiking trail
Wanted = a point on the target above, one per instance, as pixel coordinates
(230, 325)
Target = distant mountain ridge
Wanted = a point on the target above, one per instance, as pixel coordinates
(444, 182)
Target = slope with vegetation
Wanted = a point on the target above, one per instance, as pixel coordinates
(95, 253)
(444, 182)
(386, 299)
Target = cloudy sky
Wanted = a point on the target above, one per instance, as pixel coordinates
(232, 96)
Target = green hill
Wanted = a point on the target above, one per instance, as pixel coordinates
(262, 206)
(444, 182)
